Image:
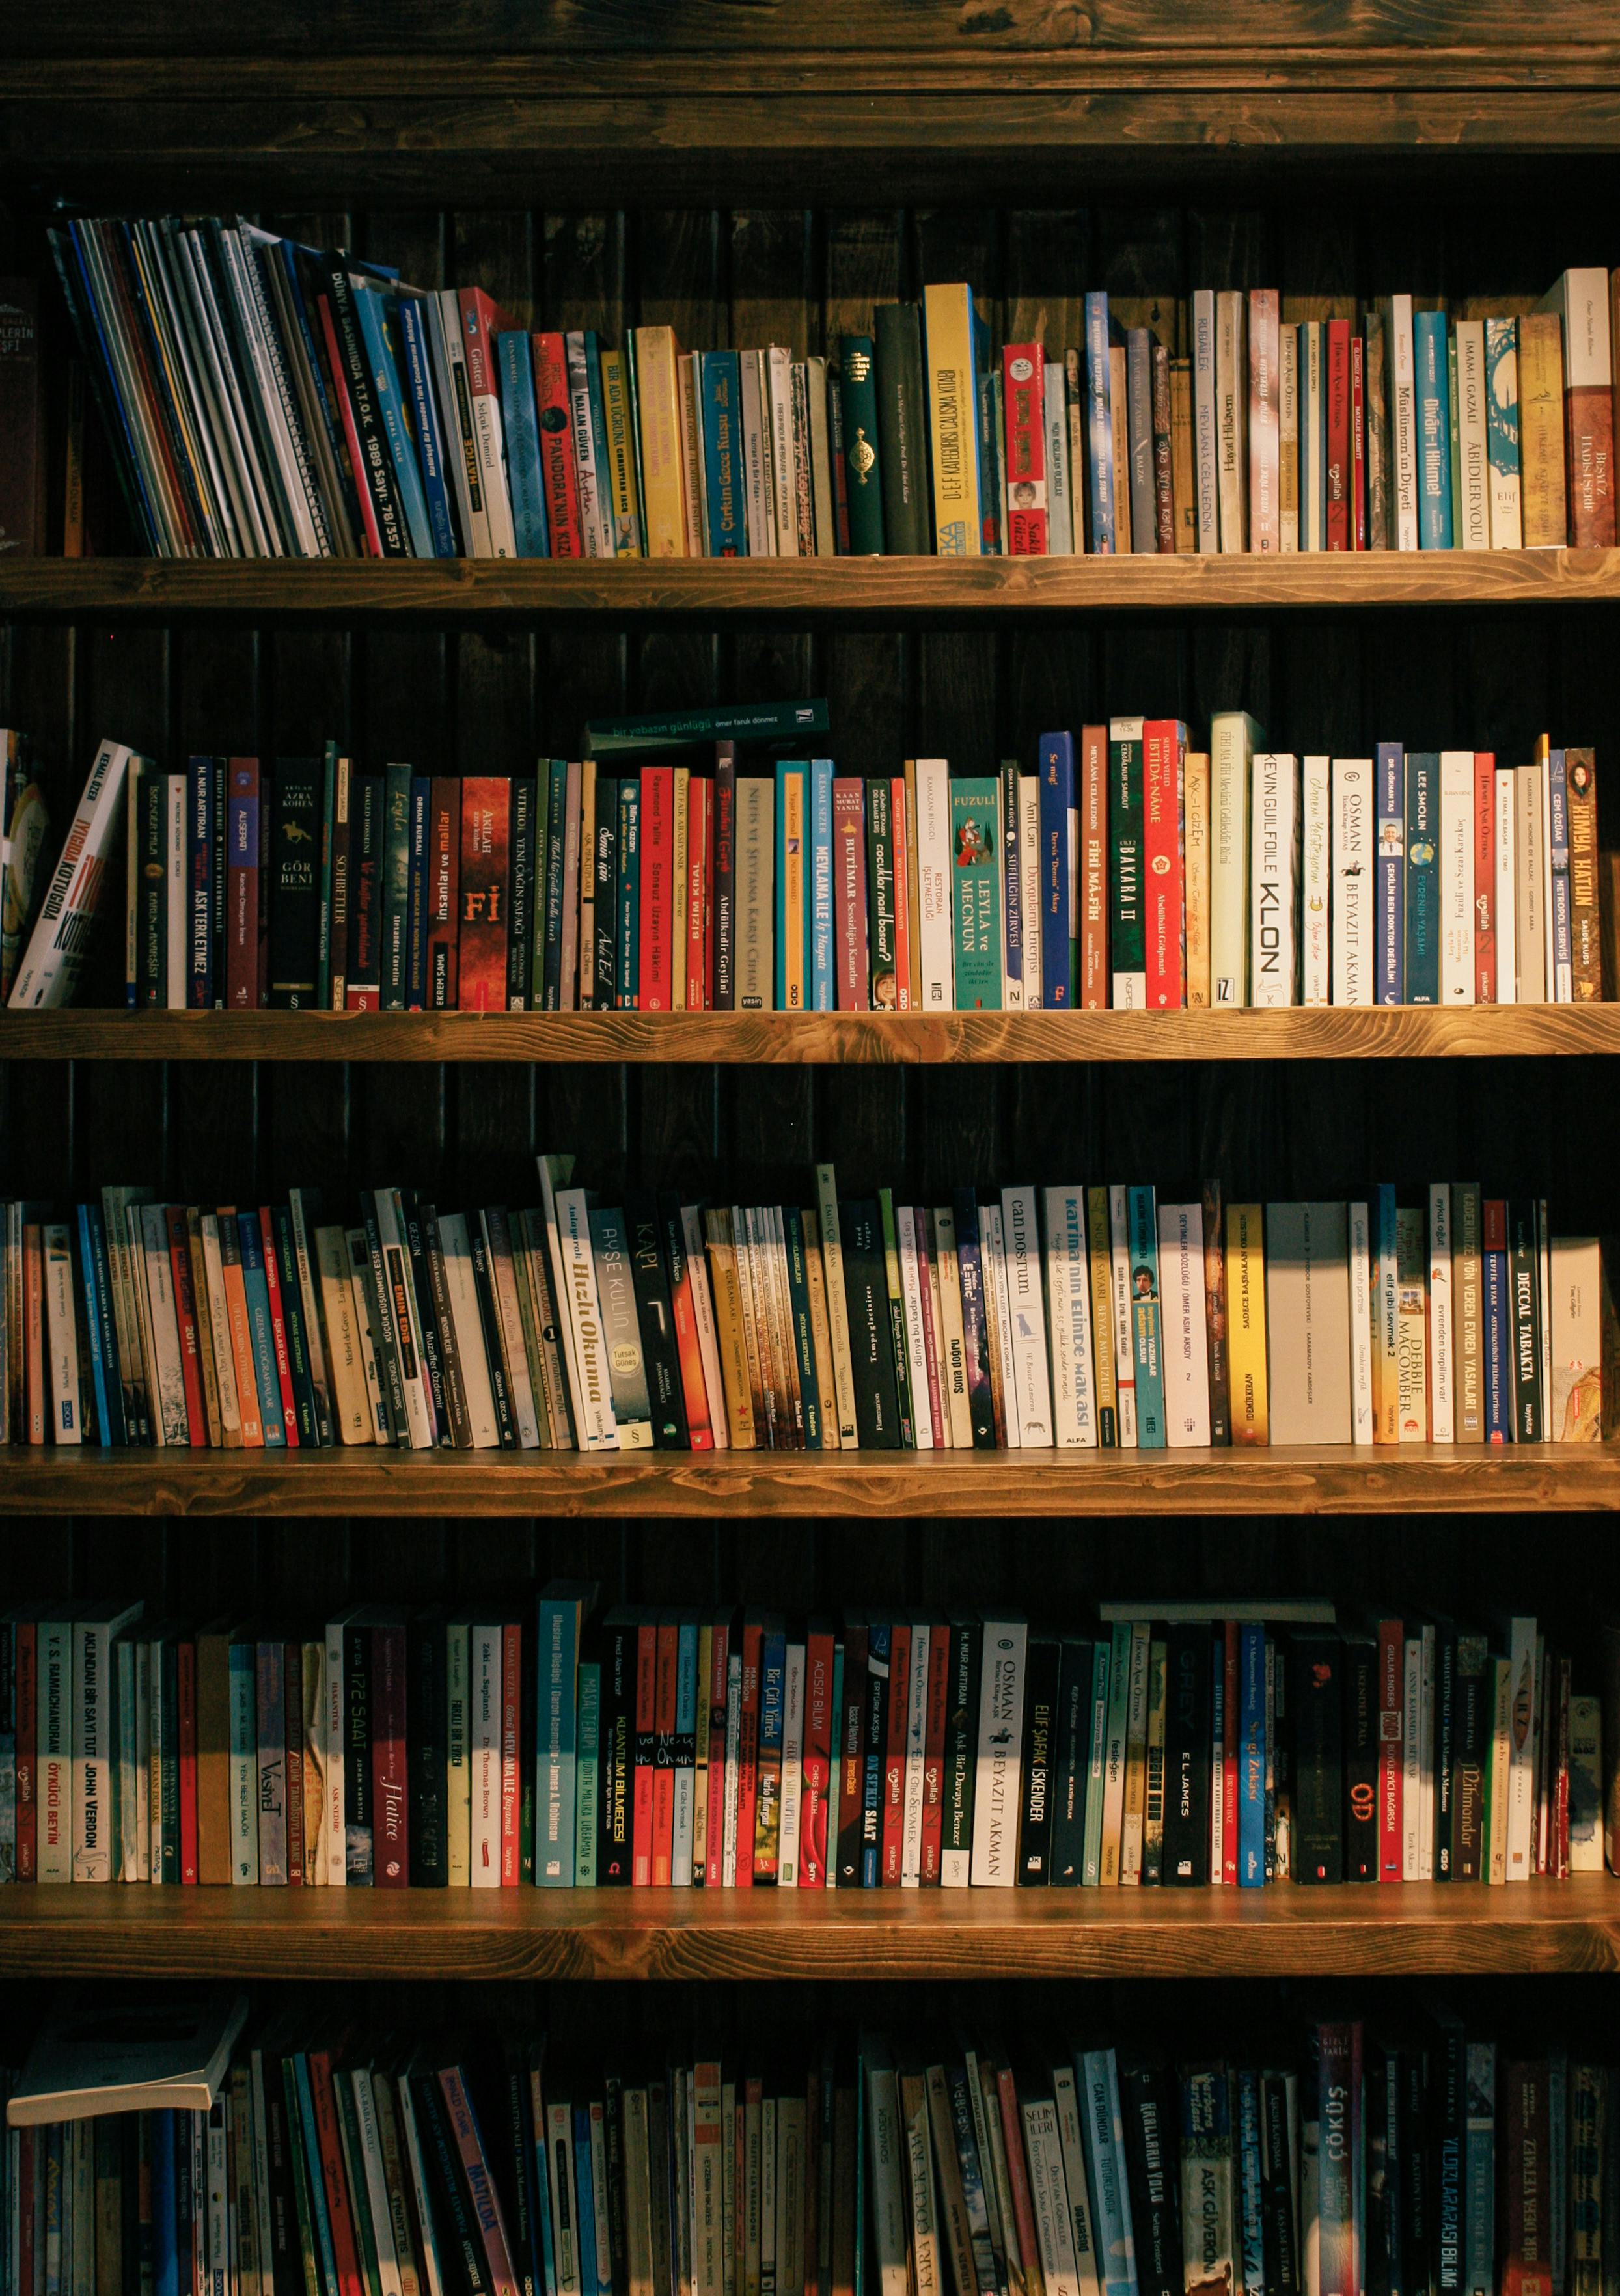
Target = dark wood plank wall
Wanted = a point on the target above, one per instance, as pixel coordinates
(469, 700)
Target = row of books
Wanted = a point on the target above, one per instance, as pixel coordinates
(1075, 1317)
(264, 399)
(1412, 2149)
(1134, 873)
(1182, 1745)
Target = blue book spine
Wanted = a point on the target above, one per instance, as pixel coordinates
(685, 1852)
(555, 1723)
(1392, 872)
(81, 297)
(1432, 360)
(629, 896)
(1099, 422)
(1557, 838)
(318, 2183)
(416, 901)
(1056, 885)
(200, 884)
(372, 310)
(1251, 1761)
(872, 1774)
(1422, 879)
(584, 2206)
(258, 1292)
(1499, 1387)
(818, 958)
(423, 410)
(94, 1309)
(542, 2190)
(244, 1753)
(1147, 1324)
(786, 773)
(514, 359)
(723, 399)
(166, 2262)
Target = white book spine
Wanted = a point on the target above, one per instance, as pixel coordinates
(995, 1831)
(50, 969)
(1312, 438)
(484, 1755)
(993, 1255)
(785, 494)
(450, 357)
(95, 1789)
(917, 1732)
(911, 1306)
(1521, 1790)
(457, 1757)
(1442, 1344)
(62, 1337)
(1273, 874)
(1352, 852)
(792, 1765)
(1049, 2197)
(933, 832)
(1068, 1288)
(1205, 451)
(1507, 889)
(1472, 511)
(1065, 2096)
(1124, 1345)
(1403, 420)
(1029, 885)
(1457, 876)
(1360, 1326)
(729, 1811)
(1059, 528)
(593, 1398)
(1316, 887)
(1228, 891)
(1185, 1353)
(1031, 1382)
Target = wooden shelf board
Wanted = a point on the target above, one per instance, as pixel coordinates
(802, 589)
(754, 1039)
(1413, 1479)
(1418, 1929)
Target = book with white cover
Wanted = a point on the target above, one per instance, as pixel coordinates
(1273, 882)
(785, 505)
(1403, 418)
(992, 1253)
(1507, 888)
(1049, 2197)
(484, 1753)
(55, 958)
(1456, 874)
(1065, 2096)
(1061, 540)
(1184, 1343)
(1472, 510)
(916, 1736)
(129, 2052)
(94, 1794)
(934, 882)
(61, 1337)
(911, 1316)
(1316, 882)
(1000, 1738)
(1029, 885)
(1353, 853)
(1031, 1387)
(1441, 1372)
(468, 1329)
(1068, 1287)
(1360, 1324)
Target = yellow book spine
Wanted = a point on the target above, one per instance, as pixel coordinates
(1118, 399)
(623, 493)
(1102, 1317)
(1245, 1292)
(658, 383)
(733, 1346)
(680, 846)
(793, 892)
(1541, 429)
(1194, 824)
(1411, 1327)
(953, 422)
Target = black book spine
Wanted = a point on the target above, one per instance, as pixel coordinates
(1523, 1285)
(606, 863)
(1450, 2093)
(1186, 1755)
(217, 876)
(871, 1336)
(295, 884)
(489, 1315)
(614, 1819)
(613, 2091)
(377, 472)
(427, 1312)
(1277, 2189)
(298, 1338)
(1361, 1710)
(874, 1744)
(357, 1755)
(455, 1385)
(364, 884)
(1153, 2175)
(1410, 2164)
(656, 1318)
(1070, 1761)
(804, 1343)
(518, 2182)
(428, 1706)
(459, 2243)
(851, 1753)
(725, 876)
(1472, 1734)
(901, 431)
(1039, 1747)
(285, 2268)
(1318, 1763)
(1445, 1750)
(520, 902)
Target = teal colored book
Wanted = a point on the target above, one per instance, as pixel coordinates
(863, 473)
(258, 1290)
(1422, 878)
(1147, 1323)
(1431, 354)
(589, 1729)
(372, 310)
(975, 892)
(565, 1604)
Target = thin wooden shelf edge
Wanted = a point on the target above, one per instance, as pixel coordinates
(1417, 1930)
(450, 589)
(750, 1040)
(849, 1486)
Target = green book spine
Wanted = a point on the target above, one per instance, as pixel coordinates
(396, 885)
(975, 872)
(897, 1318)
(588, 1754)
(1126, 918)
(1422, 879)
(864, 485)
(903, 417)
(880, 895)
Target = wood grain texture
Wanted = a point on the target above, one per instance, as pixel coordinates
(450, 590)
(849, 1486)
(822, 1039)
(333, 1935)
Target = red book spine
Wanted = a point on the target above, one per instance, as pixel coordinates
(657, 893)
(647, 1710)
(931, 1343)
(850, 893)
(486, 848)
(934, 1750)
(558, 474)
(814, 1847)
(511, 1739)
(292, 1675)
(700, 822)
(1229, 1759)
(443, 894)
(1017, 2174)
(357, 464)
(719, 1656)
(894, 1756)
(263, 997)
(27, 1727)
(748, 1752)
(335, 2176)
(278, 1329)
(1484, 877)
(390, 1782)
(1338, 434)
(900, 814)
(1357, 443)
(1091, 870)
(185, 1316)
(1023, 410)
(241, 883)
(667, 1653)
(185, 1746)
(1162, 867)
(1392, 1692)
(498, 2276)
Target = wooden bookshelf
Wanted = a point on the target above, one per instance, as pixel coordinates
(821, 1039)
(957, 1485)
(1540, 1929)
(813, 590)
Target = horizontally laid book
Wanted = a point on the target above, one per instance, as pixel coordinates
(133, 2053)
(763, 721)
